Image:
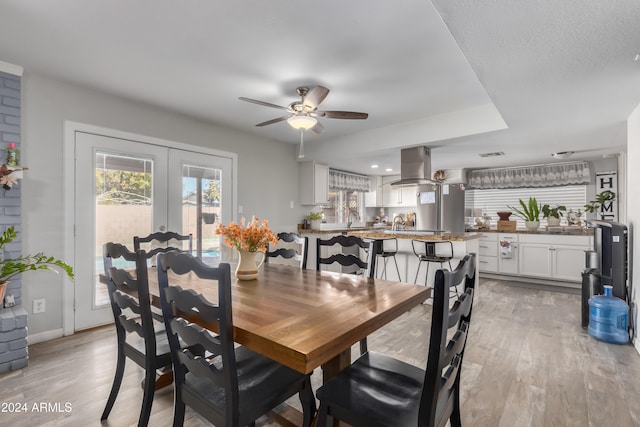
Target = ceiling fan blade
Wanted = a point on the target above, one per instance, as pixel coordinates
(318, 128)
(272, 121)
(343, 115)
(315, 97)
(265, 104)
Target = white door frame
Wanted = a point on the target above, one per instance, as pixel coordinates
(69, 173)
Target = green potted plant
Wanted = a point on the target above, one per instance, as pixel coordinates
(601, 198)
(530, 213)
(553, 215)
(316, 219)
(13, 266)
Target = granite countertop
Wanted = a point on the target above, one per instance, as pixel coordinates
(376, 234)
(561, 231)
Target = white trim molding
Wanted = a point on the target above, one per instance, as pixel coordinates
(16, 70)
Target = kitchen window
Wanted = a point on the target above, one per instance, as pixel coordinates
(346, 197)
(494, 200)
(345, 206)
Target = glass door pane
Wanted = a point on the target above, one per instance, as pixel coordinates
(123, 197)
(201, 200)
(120, 192)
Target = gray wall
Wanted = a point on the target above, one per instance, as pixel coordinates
(267, 170)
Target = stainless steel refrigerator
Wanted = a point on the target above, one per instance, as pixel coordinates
(440, 207)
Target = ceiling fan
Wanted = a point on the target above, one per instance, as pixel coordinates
(302, 115)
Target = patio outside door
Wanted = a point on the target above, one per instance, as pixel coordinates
(126, 188)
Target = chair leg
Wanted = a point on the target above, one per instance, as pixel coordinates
(363, 346)
(178, 409)
(426, 276)
(397, 268)
(415, 281)
(384, 268)
(308, 402)
(324, 419)
(147, 398)
(115, 388)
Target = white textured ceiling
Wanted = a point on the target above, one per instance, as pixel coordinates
(465, 77)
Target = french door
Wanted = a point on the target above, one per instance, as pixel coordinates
(125, 188)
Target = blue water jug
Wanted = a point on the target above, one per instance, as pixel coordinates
(608, 318)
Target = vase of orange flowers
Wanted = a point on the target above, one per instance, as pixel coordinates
(249, 240)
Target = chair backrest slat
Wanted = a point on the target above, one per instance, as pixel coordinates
(182, 308)
(347, 260)
(129, 296)
(296, 249)
(162, 237)
(442, 376)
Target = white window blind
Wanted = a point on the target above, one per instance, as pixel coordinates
(496, 200)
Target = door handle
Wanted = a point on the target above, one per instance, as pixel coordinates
(162, 228)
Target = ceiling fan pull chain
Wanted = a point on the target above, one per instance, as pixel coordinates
(301, 147)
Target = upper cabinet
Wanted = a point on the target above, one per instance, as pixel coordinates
(314, 183)
(389, 196)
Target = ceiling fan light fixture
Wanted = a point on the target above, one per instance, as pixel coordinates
(302, 122)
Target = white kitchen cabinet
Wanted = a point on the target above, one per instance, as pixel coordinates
(396, 196)
(374, 198)
(553, 257)
(535, 260)
(568, 262)
(314, 183)
(488, 253)
(508, 253)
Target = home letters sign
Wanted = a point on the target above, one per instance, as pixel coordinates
(608, 211)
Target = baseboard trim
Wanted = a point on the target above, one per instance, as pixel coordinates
(45, 336)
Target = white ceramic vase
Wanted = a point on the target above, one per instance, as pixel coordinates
(247, 266)
(532, 225)
(553, 221)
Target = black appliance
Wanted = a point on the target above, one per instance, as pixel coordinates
(610, 244)
(607, 264)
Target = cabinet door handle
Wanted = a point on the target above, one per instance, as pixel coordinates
(484, 262)
(484, 247)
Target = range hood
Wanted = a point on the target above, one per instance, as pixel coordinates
(415, 166)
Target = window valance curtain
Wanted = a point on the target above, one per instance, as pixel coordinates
(347, 181)
(550, 175)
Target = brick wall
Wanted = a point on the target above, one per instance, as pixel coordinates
(13, 320)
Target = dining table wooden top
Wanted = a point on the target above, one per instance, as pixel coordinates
(306, 318)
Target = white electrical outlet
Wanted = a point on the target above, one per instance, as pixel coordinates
(38, 306)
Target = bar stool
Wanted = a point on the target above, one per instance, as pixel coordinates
(387, 248)
(429, 251)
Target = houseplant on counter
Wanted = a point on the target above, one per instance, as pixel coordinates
(248, 240)
(530, 213)
(13, 266)
(553, 215)
(316, 219)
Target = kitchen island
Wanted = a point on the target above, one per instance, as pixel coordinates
(463, 243)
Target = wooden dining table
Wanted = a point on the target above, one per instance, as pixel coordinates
(306, 318)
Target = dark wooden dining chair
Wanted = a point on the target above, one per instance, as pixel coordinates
(349, 256)
(378, 390)
(227, 384)
(295, 249)
(351, 248)
(137, 337)
(165, 238)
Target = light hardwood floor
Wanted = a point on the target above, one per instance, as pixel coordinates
(528, 363)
